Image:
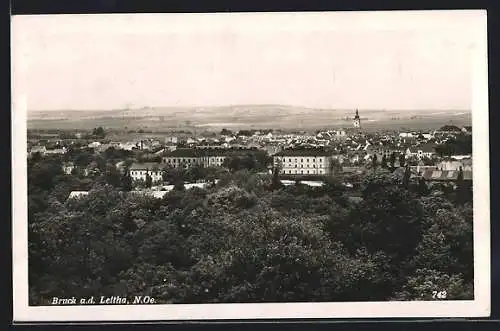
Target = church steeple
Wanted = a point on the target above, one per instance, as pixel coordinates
(357, 121)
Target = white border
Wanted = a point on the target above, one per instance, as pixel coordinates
(479, 307)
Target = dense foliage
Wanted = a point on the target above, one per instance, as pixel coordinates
(247, 239)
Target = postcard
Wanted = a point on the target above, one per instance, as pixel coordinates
(250, 166)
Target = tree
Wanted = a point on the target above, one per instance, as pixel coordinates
(179, 184)
(196, 172)
(112, 175)
(226, 132)
(276, 184)
(334, 167)
(428, 284)
(463, 192)
(98, 132)
(384, 161)
(126, 181)
(392, 160)
(149, 180)
(422, 187)
(406, 177)
(389, 218)
(402, 160)
(374, 162)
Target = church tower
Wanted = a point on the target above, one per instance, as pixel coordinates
(357, 121)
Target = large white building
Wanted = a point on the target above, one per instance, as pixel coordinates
(303, 162)
(422, 151)
(139, 171)
(187, 157)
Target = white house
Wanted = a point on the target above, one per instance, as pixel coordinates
(303, 162)
(77, 194)
(421, 151)
(465, 164)
(139, 171)
(68, 168)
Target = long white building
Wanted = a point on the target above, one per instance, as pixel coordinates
(303, 162)
(138, 171)
(187, 157)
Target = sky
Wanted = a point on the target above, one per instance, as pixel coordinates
(384, 60)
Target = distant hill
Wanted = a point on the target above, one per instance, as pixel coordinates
(277, 116)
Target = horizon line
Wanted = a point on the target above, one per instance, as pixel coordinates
(245, 105)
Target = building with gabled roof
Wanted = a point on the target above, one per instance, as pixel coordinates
(139, 171)
(435, 175)
(421, 151)
(303, 161)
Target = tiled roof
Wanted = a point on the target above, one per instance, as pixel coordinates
(77, 194)
(194, 152)
(304, 152)
(426, 148)
(144, 166)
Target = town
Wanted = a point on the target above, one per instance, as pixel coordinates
(178, 217)
(154, 166)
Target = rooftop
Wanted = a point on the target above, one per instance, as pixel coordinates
(445, 175)
(145, 166)
(304, 152)
(426, 148)
(202, 152)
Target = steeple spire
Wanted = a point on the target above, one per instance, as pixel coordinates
(357, 121)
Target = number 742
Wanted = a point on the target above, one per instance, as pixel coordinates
(439, 294)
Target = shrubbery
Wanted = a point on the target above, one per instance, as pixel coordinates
(244, 240)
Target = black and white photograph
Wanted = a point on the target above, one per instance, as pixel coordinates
(223, 166)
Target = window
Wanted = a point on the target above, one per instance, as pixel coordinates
(301, 171)
(314, 166)
(289, 160)
(301, 160)
(302, 166)
(314, 160)
(307, 160)
(295, 166)
(307, 171)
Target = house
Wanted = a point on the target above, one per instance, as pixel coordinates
(303, 161)
(421, 151)
(187, 157)
(56, 151)
(68, 168)
(171, 140)
(94, 144)
(139, 171)
(445, 175)
(150, 193)
(121, 166)
(388, 151)
(406, 135)
(128, 146)
(38, 149)
(465, 164)
(170, 148)
(77, 194)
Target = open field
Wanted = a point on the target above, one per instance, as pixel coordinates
(243, 117)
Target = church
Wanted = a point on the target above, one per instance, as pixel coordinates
(357, 120)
